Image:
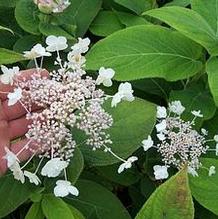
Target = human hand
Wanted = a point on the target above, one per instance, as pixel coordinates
(13, 123)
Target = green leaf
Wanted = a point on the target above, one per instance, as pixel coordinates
(50, 29)
(131, 20)
(212, 71)
(105, 24)
(77, 214)
(146, 51)
(192, 99)
(171, 200)
(35, 212)
(76, 166)
(13, 194)
(8, 3)
(138, 6)
(189, 23)
(81, 13)
(26, 14)
(55, 208)
(133, 121)
(96, 202)
(181, 3)
(9, 57)
(205, 188)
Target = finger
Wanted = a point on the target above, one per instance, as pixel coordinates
(18, 127)
(26, 153)
(4, 142)
(14, 112)
(24, 75)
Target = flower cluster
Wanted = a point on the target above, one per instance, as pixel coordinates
(69, 100)
(179, 143)
(49, 6)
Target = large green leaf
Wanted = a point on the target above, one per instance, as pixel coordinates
(55, 208)
(105, 24)
(96, 202)
(77, 214)
(8, 3)
(205, 188)
(13, 194)
(189, 23)
(81, 13)
(212, 71)
(26, 14)
(9, 57)
(76, 166)
(172, 200)
(133, 121)
(182, 3)
(146, 51)
(138, 6)
(35, 212)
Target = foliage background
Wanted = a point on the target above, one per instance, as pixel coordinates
(168, 50)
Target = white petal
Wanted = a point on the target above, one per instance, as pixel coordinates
(116, 99)
(121, 168)
(73, 190)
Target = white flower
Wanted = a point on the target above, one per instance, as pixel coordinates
(176, 107)
(105, 76)
(192, 171)
(60, 6)
(212, 170)
(215, 138)
(8, 74)
(15, 96)
(161, 126)
(37, 51)
(17, 172)
(54, 167)
(125, 92)
(33, 178)
(204, 131)
(147, 143)
(127, 164)
(197, 113)
(161, 112)
(56, 43)
(161, 136)
(10, 157)
(75, 61)
(81, 47)
(160, 172)
(64, 188)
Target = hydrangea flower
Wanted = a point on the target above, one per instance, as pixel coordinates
(81, 47)
(14, 97)
(8, 74)
(192, 171)
(33, 178)
(64, 188)
(105, 76)
(176, 107)
(125, 92)
(54, 167)
(17, 172)
(37, 51)
(56, 43)
(147, 143)
(197, 113)
(161, 112)
(127, 164)
(212, 170)
(10, 157)
(160, 172)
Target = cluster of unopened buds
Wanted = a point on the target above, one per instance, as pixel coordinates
(52, 6)
(178, 142)
(68, 99)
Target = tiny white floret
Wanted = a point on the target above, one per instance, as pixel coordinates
(8, 74)
(10, 157)
(212, 170)
(105, 76)
(81, 47)
(63, 188)
(17, 172)
(215, 138)
(161, 136)
(197, 113)
(176, 107)
(161, 126)
(192, 171)
(37, 51)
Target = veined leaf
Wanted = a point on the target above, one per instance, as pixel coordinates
(9, 57)
(146, 51)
